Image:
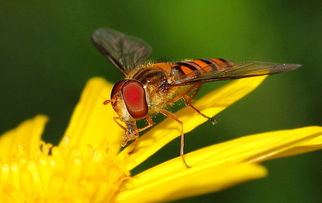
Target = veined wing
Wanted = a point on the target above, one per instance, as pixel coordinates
(124, 51)
(213, 72)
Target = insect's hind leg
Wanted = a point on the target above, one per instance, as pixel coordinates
(172, 116)
(188, 99)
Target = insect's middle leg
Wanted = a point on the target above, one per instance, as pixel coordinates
(170, 115)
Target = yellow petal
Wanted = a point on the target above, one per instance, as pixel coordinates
(167, 130)
(149, 186)
(92, 123)
(25, 137)
(303, 140)
(302, 147)
(259, 147)
(214, 165)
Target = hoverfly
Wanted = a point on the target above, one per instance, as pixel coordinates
(149, 88)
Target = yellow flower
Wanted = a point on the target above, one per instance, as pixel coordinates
(88, 166)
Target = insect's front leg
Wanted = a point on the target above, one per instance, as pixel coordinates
(132, 132)
(150, 124)
(119, 124)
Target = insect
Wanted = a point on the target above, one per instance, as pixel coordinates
(149, 88)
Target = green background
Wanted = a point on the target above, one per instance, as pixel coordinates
(46, 57)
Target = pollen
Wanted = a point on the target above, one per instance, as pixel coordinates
(52, 175)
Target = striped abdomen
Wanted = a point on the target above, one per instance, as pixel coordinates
(198, 67)
(158, 73)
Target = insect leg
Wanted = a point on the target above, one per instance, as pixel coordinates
(172, 116)
(130, 132)
(188, 99)
(117, 118)
(150, 124)
(187, 102)
(187, 91)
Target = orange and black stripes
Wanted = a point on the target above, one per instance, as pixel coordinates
(188, 68)
(201, 66)
(217, 63)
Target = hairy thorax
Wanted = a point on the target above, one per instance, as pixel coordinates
(156, 84)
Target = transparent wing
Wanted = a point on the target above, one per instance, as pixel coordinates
(234, 72)
(125, 52)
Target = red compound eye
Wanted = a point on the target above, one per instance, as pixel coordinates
(134, 98)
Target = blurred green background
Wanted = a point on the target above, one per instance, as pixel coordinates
(46, 57)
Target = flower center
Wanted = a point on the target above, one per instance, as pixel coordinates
(87, 175)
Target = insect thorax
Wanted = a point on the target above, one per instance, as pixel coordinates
(155, 82)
